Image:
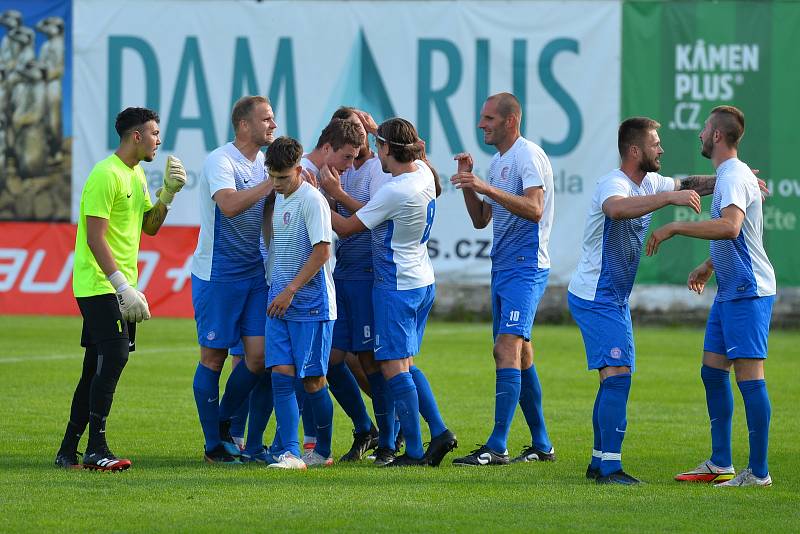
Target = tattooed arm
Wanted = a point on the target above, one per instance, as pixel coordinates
(703, 184)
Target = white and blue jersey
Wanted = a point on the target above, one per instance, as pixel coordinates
(518, 241)
(741, 264)
(400, 215)
(354, 253)
(228, 247)
(298, 223)
(612, 248)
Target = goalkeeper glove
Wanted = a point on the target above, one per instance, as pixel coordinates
(174, 180)
(132, 303)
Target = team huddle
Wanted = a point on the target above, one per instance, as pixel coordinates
(265, 288)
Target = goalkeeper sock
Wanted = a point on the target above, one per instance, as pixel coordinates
(530, 400)
(719, 399)
(320, 403)
(112, 356)
(206, 397)
(758, 410)
(79, 411)
(613, 421)
(345, 390)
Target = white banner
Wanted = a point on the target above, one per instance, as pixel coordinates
(430, 62)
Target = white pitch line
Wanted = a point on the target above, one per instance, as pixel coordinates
(52, 357)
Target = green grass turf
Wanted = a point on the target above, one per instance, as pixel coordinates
(169, 488)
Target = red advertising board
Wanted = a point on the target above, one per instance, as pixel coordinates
(36, 269)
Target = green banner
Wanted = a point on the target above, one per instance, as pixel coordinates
(679, 60)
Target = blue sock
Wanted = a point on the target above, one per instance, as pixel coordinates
(286, 412)
(597, 447)
(239, 418)
(507, 386)
(344, 387)
(206, 397)
(427, 402)
(260, 407)
(758, 411)
(719, 398)
(611, 415)
(530, 400)
(237, 390)
(306, 413)
(383, 407)
(406, 404)
(321, 404)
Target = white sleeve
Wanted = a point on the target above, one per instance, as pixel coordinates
(534, 170)
(663, 183)
(218, 172)
(732, 191)
(612, 187)
(317, 216)
(381, 207)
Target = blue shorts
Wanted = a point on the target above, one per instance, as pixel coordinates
(227, 311)
(739, 328)
(304, 344)
(400, 317)
(607, 332)
(237, 350)
(515, 296)
(353, 329)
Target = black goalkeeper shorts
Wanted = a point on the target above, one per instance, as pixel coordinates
(102, 321)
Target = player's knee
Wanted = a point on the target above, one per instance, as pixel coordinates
(507, 350)
(213, 359)
(337, 357)
(312, 384)
(255, 364)
(748, 369)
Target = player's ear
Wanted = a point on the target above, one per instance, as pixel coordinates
(298, 170)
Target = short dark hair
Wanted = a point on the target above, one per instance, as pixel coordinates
(244, 107)
(344, 113)
(340, 132)
(284, 153)
(402, 138)
(730, 122)
(507, 104)
(130, 119)
(632, 132)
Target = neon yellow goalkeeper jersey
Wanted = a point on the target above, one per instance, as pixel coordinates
(119, 194)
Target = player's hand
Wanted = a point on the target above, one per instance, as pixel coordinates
(329, 180)
(367, 121)
(687, 197)
(465, 162)
(467, 180)
(310, 178)
(658, 237)
(132, 303)
(762, 185)
(281, 303)
(699, 277)
(174, 180)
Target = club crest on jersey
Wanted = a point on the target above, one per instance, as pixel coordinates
(286, 217)
(616, 353)
(504, 173)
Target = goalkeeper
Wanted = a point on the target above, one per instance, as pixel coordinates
(115, 209)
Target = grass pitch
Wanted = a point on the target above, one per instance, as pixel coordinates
(154, 423)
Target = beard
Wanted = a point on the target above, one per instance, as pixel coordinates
(650, 165)
(706, 149)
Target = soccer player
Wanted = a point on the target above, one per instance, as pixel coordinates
(400, 215)
(229, 291)
(115, 208)
(738, 323)
(302, 305)
(519, 197)
(619, 216)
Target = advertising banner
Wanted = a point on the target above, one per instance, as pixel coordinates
(681, 59)
(430, 62)
(36, 269)
(35, 109)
